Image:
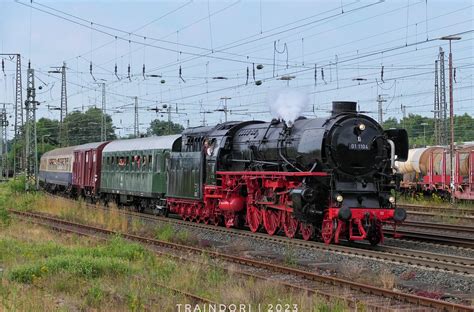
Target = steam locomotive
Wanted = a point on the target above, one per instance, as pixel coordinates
(328, 177)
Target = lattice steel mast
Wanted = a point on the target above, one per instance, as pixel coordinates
(18, 159)
(30, 122)
(442, 101)
(437, 108)
(3, 142)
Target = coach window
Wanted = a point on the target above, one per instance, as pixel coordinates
(121, 163)
(137, 162)
(158, 163)
(150, 162)
(145, 164)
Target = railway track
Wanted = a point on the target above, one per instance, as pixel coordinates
(444, 216)
(437, 210)
(372, 296)
(392, 254)
(439, 226)
(437, 238)
(455, 235)
(386, 253)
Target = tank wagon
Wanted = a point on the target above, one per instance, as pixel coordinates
(327, 177)
(428, 170)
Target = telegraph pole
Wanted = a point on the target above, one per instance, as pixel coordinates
(204, 117)
(31, 147)
(103, 125)
(451, 109)
(169, 119)
(380, 100)
(63, 132)
(225, 110)
(135, 126)
(404, 113)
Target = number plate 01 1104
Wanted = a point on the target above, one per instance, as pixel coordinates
(358, 147)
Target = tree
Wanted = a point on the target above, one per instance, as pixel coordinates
(421, 129)
(85, 127)
(391, 122)
(159, 127)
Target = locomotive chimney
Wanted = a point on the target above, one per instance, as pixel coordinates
(343, 107)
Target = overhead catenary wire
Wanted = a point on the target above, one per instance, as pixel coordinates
(216, 84)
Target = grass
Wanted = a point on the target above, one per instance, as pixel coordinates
(74, 273)
(289, 256)
(387, 278)
(41, 270)
(433, 200)
(86, 266)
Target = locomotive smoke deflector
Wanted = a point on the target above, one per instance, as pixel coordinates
(400, 139)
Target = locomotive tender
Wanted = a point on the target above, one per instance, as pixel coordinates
(332, 177)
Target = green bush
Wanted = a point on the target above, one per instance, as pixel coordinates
(116, 248)
(17, 185)
(164, 269)
(164, 233)
(87, 267)
(4, 217)
(94, 296)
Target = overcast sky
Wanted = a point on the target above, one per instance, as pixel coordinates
(349, 41)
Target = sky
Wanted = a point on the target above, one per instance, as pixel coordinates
(214, 43)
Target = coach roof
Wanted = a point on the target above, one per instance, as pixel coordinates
(149, 143)
(89, 146)
(64, 151)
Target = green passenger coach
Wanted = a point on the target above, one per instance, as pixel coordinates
(134, 171)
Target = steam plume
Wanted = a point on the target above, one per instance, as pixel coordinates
(287, 104)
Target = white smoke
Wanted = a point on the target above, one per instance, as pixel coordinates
(287, 104)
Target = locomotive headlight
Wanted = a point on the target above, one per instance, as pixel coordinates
(339, 198)
(361, 127)
(391, 199)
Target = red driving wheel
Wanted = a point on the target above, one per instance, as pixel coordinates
(307, 230)
(290, 224)
(254, 218)
(327, 232)
(271, 220)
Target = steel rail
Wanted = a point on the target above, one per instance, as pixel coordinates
(384, 253)
(334, 281)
